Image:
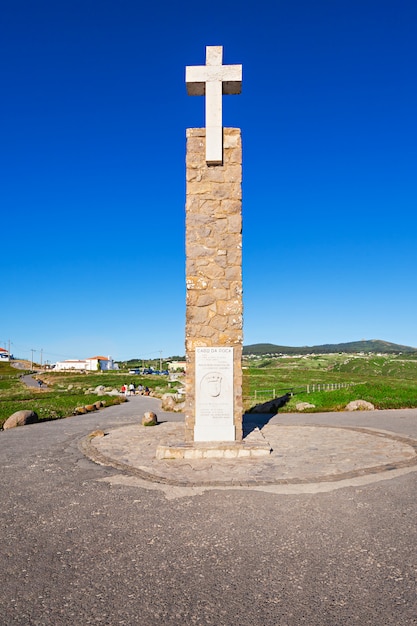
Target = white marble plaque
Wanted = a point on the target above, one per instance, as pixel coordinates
(214, 394)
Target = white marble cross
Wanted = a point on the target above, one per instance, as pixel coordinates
(213, 80)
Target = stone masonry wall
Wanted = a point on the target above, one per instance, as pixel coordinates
(214, 261)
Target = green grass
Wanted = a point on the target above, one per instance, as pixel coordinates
(48, 406)
(380, 395)
(65, 391)
(388, 381)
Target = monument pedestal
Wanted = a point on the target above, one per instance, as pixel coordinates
(253, 446)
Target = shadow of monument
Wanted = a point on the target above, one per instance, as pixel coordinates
(260, 414)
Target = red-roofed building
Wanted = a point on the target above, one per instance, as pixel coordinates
(4, 355)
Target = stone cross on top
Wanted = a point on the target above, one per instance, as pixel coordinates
(213, 80)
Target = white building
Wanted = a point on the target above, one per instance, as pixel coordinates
(93, 364)
(177, 366)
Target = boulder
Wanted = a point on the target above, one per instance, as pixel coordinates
(91, 407)
(359, 405)
(302, 406)
(168, 402)
(21, 418)
(100, 390)
(80, 410)
(172, 402)
(96, 433)
(149, 419)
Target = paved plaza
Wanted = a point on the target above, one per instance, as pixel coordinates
(320, 532)
(300, 455)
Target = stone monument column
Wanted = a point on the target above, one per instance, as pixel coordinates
(214, 407)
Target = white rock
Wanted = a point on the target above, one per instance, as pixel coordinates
(359, 405)
(302, 406)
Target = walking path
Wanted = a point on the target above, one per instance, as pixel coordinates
(30, 381)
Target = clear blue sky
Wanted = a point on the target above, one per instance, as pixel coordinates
(93, 113)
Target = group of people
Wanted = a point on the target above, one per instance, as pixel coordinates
(131, 390)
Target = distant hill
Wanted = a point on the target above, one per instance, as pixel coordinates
(372, 345)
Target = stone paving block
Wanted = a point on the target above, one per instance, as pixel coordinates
(300, 455)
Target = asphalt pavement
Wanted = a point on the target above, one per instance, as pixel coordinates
(90, 543)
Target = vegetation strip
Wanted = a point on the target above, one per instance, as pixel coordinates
(388, 381)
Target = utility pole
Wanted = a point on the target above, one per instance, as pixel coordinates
(160, 360)
(31, 364)
(41, 357)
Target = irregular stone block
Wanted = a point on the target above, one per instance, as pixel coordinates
(149, 419)
(21, 418)
(80, 410)
(302, 406)
(359, 405)
(96, 433)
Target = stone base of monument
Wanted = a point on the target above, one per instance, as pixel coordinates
(253, 446)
